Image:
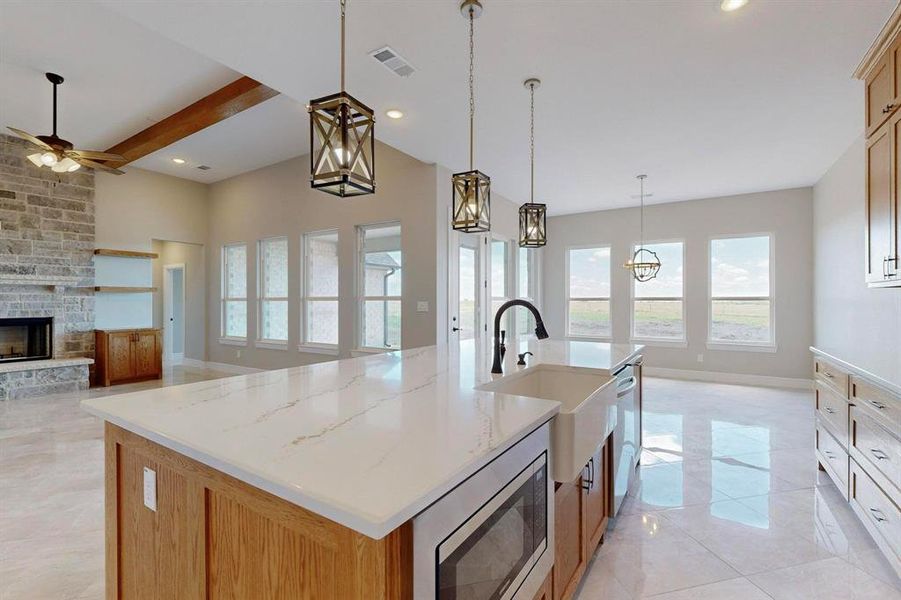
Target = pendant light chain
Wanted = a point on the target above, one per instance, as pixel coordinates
(532, 138)
(472, 97)
(343, 7)
(641, 226)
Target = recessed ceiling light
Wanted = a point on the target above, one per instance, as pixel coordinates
(178, 161)
(394, 114)
(730, 5)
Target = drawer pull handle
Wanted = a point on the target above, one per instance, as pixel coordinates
(829, 455)
(876, 404)
(879, 454)
(829, 410)
(878, 515)
(888, 108)
(828, 374)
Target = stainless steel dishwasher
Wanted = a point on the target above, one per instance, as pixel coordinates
(626, 435)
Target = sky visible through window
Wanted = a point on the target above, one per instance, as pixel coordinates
(740, 267)
(589, 273)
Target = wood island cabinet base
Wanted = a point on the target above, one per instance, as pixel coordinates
(215, 537)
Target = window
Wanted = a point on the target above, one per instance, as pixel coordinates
(588, 292)
(527, 289)
(234, 291)
(320, 289)
(500, 284)
(273, 275)
(657, 305)
(381, 283)
(741, 302)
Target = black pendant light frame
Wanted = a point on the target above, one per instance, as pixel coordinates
(532, 215)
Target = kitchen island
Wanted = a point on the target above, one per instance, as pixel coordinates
(304, 481)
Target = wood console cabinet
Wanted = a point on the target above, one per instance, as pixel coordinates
(126, 355)
(881, 70)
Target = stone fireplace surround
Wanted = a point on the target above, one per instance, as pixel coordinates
(46, 269)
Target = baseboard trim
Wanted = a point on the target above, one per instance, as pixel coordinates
(217, 366)
(736, 378)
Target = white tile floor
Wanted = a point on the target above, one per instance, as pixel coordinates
(728, 503)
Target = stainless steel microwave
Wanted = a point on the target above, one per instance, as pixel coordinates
(491, 537)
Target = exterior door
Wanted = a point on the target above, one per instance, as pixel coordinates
(121, 363)
(468, 285)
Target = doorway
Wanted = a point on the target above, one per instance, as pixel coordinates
(467, 289)
(174, 313)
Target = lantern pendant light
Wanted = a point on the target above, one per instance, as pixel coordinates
(472, 188)
(342, 141)
(532, 216)
(644, 264)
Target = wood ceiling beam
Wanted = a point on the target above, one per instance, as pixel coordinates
(226, 102)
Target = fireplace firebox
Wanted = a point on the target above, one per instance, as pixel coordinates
(26, 338)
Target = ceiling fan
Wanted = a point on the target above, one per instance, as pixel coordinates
(59, 154)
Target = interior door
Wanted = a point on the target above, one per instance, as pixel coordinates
(174, 312)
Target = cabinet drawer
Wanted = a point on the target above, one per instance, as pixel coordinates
(833, 457)
(880, 404)
(832, 410)
(875, 448)
(832, 375)
(881, 516)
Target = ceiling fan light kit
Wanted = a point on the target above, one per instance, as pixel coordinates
(532, 215)
(59, 154)
(644, 264)
(472, 188)
(342, 140)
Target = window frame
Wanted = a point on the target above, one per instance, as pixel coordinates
(233, 340)
(534, 282)
(713, 344)
(567, 298)
(509, 280)
(655, 341)
(262, 298)
(305, 298)
(361, 297)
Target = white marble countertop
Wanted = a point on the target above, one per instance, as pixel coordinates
(367, 442)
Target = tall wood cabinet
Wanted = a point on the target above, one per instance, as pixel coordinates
(881, 70)
(127, 355)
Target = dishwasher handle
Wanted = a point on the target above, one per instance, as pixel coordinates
(622, 391)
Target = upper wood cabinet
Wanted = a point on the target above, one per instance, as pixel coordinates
(881, 70)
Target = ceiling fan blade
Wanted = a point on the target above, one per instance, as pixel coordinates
(27, 136)
(93, 155)
(96, 165)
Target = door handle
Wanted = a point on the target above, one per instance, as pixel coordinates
(587, 485)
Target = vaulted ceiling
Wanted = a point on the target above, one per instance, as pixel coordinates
(707, 103)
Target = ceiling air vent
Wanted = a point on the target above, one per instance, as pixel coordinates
(204, 168)
(393, 61)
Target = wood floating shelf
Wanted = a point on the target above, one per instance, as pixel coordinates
(109, 289)
(124, 253)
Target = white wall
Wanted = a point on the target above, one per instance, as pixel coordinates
(132, 210)
(277, 201)
(784, 213)
(857, 324)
